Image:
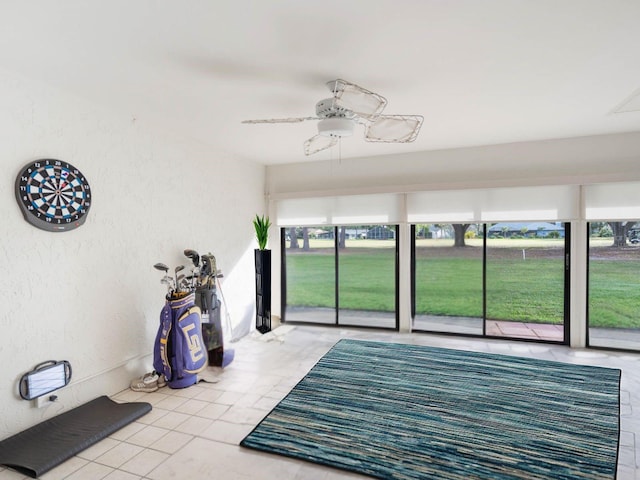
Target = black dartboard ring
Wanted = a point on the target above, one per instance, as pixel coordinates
(53, 195)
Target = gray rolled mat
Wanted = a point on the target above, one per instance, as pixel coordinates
(49, 443)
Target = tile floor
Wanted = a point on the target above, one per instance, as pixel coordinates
(531, 331)
(193, 433)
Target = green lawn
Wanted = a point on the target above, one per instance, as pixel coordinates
(614, 293)
(367, 282)
(530, 290)
(517, 289)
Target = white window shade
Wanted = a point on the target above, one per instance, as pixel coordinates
(340, 210)
(303, 211)
(458, 206)
(612, 201)
(494, 205)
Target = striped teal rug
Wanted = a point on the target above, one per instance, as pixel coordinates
(411, 412)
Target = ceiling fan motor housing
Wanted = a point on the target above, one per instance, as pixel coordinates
(329, 108)
(336, 127)
(336, 121)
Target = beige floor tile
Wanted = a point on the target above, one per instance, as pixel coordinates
(129, 395)
(120, 475)
(171, 402)
(172, 442)
(90, 471)
(192, 406)
(231, 433)
(147, 436)
(196, 462)
(213, 411)
(119, 455)
(171, 420)
(144, 462)
(99, 448)
(230, 398)
(194, 425)
(244, 415)
(209, 394)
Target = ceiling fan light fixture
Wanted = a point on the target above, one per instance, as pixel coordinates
(336, 127)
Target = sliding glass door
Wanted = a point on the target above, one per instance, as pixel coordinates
(343, 275)
(448, 278)
(614, 284)
(309, 274)
(525, 280)
(367, 275)
(496, 279)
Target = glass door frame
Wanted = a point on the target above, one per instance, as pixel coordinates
(283, 282)
(587, 301)
(566, 293)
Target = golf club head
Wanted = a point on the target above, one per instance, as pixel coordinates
(179, 268)
(162, 267)
(193, 255)
(168, 283)
(208, 264)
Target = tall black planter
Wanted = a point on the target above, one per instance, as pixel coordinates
(263, 290)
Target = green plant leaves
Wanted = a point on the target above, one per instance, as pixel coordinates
(261, 225)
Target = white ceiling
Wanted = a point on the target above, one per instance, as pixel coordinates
(480, 71)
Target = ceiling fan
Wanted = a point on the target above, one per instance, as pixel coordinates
(349, 105)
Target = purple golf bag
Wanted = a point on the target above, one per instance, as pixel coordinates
(179, 351)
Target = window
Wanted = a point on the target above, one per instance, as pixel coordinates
(344, 275)
(310, 273)
(614, 284)
(504, 279)
(448, 278)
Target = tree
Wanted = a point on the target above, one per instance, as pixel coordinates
(293, 237)
(305, 239)
(459, 229)
(620, 231)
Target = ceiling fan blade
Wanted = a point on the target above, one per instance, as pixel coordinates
(281, 120)
(318, 143)
(394, 128)
(359, 100)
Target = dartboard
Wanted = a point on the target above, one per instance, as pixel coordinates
(53, 195)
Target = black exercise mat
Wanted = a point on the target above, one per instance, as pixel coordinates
(49, 443)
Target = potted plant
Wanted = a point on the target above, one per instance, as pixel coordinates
(262, 224)
(263, 274)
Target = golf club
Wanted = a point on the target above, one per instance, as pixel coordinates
(179, 268)
(162, 267)
(193, 255)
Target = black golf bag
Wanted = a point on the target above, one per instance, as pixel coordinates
(179, 351)
(212, 332)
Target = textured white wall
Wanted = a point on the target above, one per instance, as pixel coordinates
(91, 296)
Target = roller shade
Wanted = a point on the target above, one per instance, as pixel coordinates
(494, 205)
(340, 210)
(612, 201)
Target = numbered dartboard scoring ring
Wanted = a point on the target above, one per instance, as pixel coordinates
(53, 195)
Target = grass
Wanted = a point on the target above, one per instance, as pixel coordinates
(367, 282)
(614, 293)
(521, 290)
